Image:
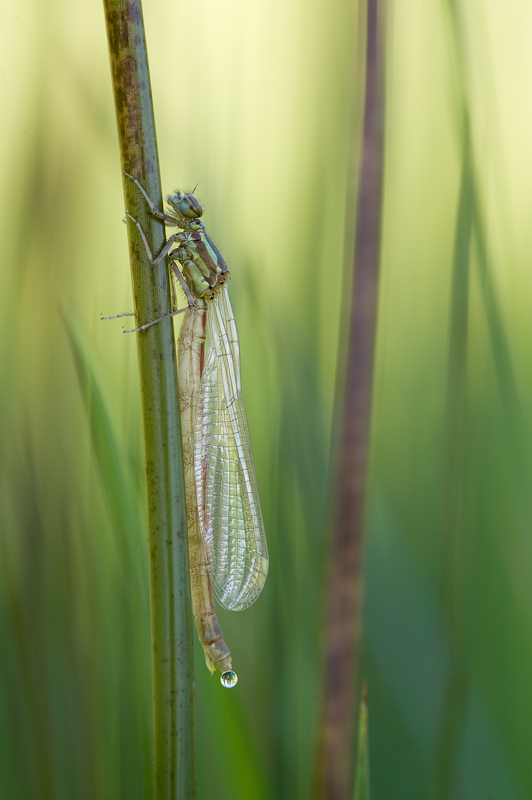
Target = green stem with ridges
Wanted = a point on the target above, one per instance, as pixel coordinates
(171, 629)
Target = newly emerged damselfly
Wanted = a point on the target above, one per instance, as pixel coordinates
(227, 542)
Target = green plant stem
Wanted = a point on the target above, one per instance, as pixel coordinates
(171, 631)
(362, 758)
(454, 522)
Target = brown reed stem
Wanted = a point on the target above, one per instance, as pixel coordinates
(337, 735)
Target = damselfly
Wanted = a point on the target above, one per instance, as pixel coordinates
(227, 542)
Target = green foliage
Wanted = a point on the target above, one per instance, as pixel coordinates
(362, 782)
(256, 103)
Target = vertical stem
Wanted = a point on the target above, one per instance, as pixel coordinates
(337, 735)
(362, 782)
(171, 630)
(454, 562)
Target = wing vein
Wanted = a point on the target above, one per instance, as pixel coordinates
(228, 498)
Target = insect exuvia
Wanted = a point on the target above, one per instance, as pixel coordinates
(227, 542)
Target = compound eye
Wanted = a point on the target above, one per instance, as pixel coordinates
(190, 206)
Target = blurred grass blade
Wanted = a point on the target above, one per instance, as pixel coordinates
(119, 489)
(127, 515)
(453, 562)
(337, 736)
(362, 759)
(171, 617)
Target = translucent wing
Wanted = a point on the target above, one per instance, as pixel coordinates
(228, 498)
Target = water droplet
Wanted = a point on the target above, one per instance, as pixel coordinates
(229, 679)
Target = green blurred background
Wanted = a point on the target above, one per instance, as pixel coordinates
(259, 103)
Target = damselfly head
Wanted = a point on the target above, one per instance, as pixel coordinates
(186, 205)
